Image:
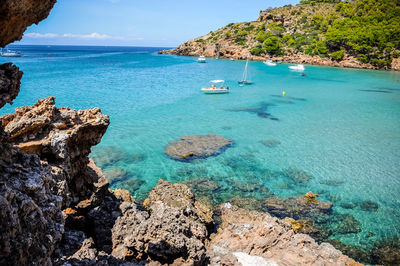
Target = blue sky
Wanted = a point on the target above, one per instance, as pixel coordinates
(140, 22)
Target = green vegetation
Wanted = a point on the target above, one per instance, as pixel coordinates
(367, 30)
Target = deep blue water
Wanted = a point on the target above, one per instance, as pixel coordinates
(341, 126)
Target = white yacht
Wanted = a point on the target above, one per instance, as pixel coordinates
(270, 63)
(299, 67)
(201, 59)
(9, 53)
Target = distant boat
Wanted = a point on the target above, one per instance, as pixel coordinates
(217, 87)
(9, 53)
(297, 67)
(244, 80)
(270, 63)
(201, 59)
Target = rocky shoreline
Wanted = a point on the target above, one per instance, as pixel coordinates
(229, 51)
(56, 207)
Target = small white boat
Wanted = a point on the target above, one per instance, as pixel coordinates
(201, 59)
(297, 67)
(9, 53)
(270, 63)
(217, 87)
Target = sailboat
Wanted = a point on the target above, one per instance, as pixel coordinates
(244, 80)
(9, 53)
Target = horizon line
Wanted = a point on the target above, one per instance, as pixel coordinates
(87, 45)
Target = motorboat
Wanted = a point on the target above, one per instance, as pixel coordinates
(270, 63)
(217, 87)
(9, 53)
(244, 80)
(201, 59)
(299, 67)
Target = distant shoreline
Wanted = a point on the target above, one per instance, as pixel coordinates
(293, 59)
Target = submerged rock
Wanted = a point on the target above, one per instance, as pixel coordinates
(260, 110)
(346, 224)
(107, 156)
(203, 188)
(131, 185)
(115, 175)
(369, 206)
(136, 158)
(296, 175)
(387, 251)
(198, 146)
(297, 208)
(270, 143)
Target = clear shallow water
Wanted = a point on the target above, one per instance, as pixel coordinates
(341, 126)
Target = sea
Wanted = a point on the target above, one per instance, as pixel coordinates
(334, 131)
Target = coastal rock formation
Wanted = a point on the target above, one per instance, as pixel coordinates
(30, 215)
(62, 138)
(17, 15)
(289, 34)
(198, 146)
(223, 49)
(10, 77)
(265, 240)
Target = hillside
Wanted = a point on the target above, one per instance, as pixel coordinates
(358, 33)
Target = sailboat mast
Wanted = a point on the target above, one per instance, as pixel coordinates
(245, 70)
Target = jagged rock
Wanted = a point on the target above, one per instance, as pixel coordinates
(10, 77)
(31, 221)
(62, 137)
(261, 235)
(17, 15)
(198, 146)
(177, 196)
(174, 228)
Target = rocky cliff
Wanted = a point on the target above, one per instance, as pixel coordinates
(17, 15)
(333, 34)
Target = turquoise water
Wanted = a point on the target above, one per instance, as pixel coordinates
(341, 126)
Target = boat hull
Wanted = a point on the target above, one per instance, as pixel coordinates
(245, 82)
(214, 91)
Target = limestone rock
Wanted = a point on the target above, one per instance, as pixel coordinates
(37, 129)
(17, 15)
(30, 215)
(174, 228)
(267, 240)
(10, 77)
(198, 146)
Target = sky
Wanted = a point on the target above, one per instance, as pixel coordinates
(157, 23)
